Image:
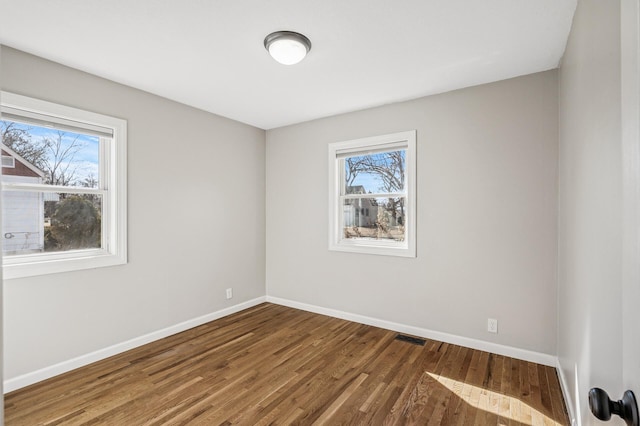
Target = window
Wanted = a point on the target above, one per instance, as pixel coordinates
(64, 201)
(8, 161)
(372, 206)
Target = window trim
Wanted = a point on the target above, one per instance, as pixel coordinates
(370, 145)
(114, 247)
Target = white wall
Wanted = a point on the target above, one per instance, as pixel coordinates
(23, 217)
(1, 297)
(590, 215)
(630, 112)
(487, 211)
(196, 224)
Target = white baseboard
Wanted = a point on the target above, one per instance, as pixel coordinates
(523, 354)
(565, 393)
(65, 366)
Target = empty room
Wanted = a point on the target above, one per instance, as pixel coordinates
(320, 212)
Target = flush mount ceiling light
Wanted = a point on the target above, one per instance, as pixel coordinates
(287, 47)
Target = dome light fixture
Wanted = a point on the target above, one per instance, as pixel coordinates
(287, 47)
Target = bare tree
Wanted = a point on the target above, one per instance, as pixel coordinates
(20, 141)
(390, 168)
(353, 166)
(75, 219)
(90, 181)
(60, 167)
(54, 155)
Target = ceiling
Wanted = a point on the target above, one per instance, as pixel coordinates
(209, 53)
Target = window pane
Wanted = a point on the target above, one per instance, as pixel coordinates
(48, 156)
(374, 218)
(375, 173)
(36, 222)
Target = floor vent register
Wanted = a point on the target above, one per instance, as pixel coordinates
(412, 340)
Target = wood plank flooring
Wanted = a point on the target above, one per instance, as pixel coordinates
(276, 365)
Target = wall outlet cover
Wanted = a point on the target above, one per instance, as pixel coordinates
(492, 325)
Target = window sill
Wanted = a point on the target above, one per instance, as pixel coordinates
(84, 259)
(378, 249)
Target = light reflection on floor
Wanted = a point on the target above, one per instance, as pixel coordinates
(505, 406)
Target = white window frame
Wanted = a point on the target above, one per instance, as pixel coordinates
(337, 152)
(113, 188)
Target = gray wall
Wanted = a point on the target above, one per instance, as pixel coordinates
(590, 215)
(196, 224)
(1, 296)
(630, 112)
(487, 211)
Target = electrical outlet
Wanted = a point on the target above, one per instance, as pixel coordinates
(229, 293)
(492, 325)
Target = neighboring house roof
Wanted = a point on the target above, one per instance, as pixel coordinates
(359, 189)
(356, 189)
(22, 168)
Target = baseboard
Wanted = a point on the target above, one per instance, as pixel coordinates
(65, 366)
(523, 354)
(565, 393)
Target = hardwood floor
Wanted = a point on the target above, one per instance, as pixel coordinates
(276, 365)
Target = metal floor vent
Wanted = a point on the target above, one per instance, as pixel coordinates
(412, 340)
